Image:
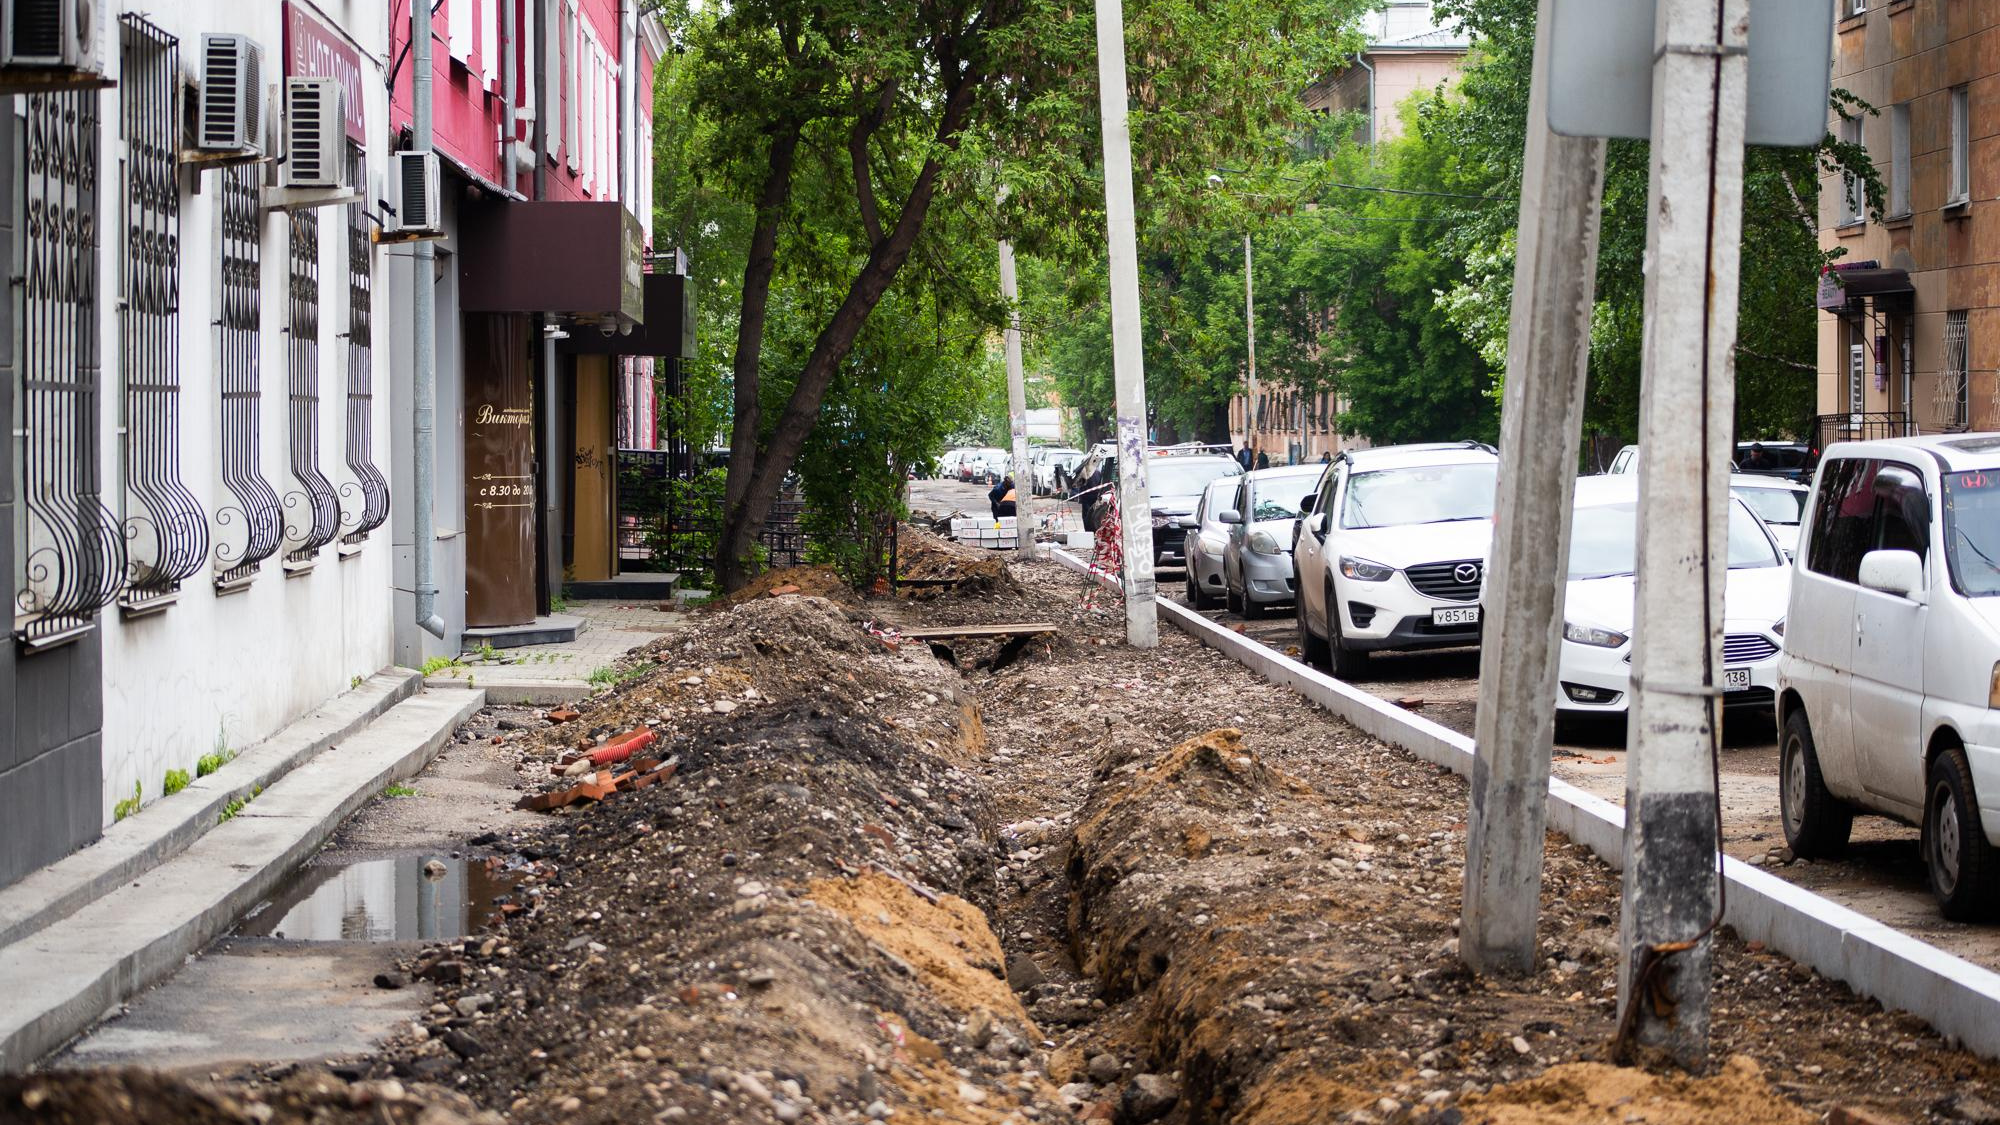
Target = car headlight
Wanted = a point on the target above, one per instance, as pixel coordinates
(1592, 635)
(1264, 543)
(1361, 570)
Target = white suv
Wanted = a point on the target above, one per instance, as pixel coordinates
(1889, 687)
(1392, 550)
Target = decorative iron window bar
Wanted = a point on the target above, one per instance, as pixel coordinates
(256, 506)
(166, 531)
(314, 506)
(368, 484)
(71, 551)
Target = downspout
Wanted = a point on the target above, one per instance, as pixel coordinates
(423, 337)
(509, 87)
(1362, 62)
(545, 102)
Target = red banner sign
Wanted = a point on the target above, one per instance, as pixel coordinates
(313, 49)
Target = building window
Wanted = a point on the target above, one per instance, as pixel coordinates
(572, 46)
(1953, 399)
(1960, 189)
(1899, 160)
(70, 555)
(1855, 7)
(553, 58)
(249, 530)
(1853, 197)
(368, 485)
(166, 531)
(312, 508)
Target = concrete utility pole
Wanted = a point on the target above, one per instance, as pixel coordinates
(1541, 415)
(1686, 413)
(1250, 353)
(1135, 505)
(1017, 407)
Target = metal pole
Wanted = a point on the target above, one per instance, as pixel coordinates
(1017, 407)
(1541, 415)
(1249, 348)
(552, 459)
(510, 91)
(423, 337)
(1135, 505)
(1686, 411)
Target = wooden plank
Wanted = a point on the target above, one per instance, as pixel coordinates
(949, 631)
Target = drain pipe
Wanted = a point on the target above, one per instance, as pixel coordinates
(423, 338)
(545, 97)
(509, 92)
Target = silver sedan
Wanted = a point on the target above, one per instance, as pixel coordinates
(1257, 555)
(1205, 536)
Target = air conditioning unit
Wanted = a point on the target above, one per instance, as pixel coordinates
(232, 95)
(418, 206)
(315, 133)
(53, 34)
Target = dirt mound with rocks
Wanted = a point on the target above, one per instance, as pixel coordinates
(1596, 1094)
(143, 1097)
(815, 581)
(791, 928)
(958, 569)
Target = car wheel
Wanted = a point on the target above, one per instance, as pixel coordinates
(1964, 869)
(1817, 823)
(1348, 663)
(1252, 609)
(1230, 601)
(1198, 597)
(1312, 649)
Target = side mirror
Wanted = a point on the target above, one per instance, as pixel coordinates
(1190, 523)
(1230, 515)
(1309, 505)
(1894, 572)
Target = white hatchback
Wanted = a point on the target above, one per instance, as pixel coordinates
(1594, 669)
(1392, 552)
(1889, 688)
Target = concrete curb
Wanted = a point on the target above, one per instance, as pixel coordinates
(167, 827)
(64, 977)
(1958, 998)
(524, 693)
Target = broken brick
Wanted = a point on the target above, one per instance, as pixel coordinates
(563, 715)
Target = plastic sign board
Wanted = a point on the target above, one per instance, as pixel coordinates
(1601, 70)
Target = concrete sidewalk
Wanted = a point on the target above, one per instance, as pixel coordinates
(545, 675)
(64, 975)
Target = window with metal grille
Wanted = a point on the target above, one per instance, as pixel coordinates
(1953, 398)
(249, 530)
(312, 509)
(70, 551)
(166, 531)
(369, 489)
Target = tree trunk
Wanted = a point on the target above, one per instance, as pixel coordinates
(732, 562)
(775, 459)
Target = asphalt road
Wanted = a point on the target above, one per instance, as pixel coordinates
(1881, 876)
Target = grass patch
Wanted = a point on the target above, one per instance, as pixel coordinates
(400, 790)
(437, 664)
(606, 675)
(131, 804)
(177, 780)
(236, 804)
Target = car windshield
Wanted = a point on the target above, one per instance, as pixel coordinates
(1278, 498)
(1424, 494)
(1775, 505)
(1187, 476)
(1972, 530)
(1603, 541)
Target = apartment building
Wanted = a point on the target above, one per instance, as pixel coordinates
(1909, 333)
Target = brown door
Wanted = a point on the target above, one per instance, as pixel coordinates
(499, 472)
(592, 463)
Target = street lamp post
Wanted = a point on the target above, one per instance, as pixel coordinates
(1249, 339)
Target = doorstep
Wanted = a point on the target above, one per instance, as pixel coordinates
(64, 976)
(165, 828)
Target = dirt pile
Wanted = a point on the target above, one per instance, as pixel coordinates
(927, 558)
(814, 581)
(141, 1097)
(1593, 1093)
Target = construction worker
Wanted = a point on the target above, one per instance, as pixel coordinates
(1002, 497)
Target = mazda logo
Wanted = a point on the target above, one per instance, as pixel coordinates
(1466, 573)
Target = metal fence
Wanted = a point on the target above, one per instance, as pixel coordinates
(1829, 428)
(664, 526)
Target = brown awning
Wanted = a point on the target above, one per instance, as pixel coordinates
(570, 258)
(667, 330)
(1839, 288)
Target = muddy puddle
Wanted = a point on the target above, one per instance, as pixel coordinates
(394, 898)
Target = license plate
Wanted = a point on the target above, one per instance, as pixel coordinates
(1467, 616)
(1736, 679)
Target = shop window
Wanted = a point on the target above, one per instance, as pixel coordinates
(70, 549)
(166, 531)
(369, 490)
(249, 529)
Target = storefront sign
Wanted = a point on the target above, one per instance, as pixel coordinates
(313, 49)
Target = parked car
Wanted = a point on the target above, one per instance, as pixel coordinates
(988, 465)
(1786, 460)
(1176, 481)
(1393, 551)
(1627, 461)
(1048, 460)
(1203, 536)
(952, 463)
(1594, 665)
(1889, 687)
(1257, 555)
(1777, 501)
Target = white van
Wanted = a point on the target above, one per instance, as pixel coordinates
(1889, 686)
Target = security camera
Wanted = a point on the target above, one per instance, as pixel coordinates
(608, 327)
